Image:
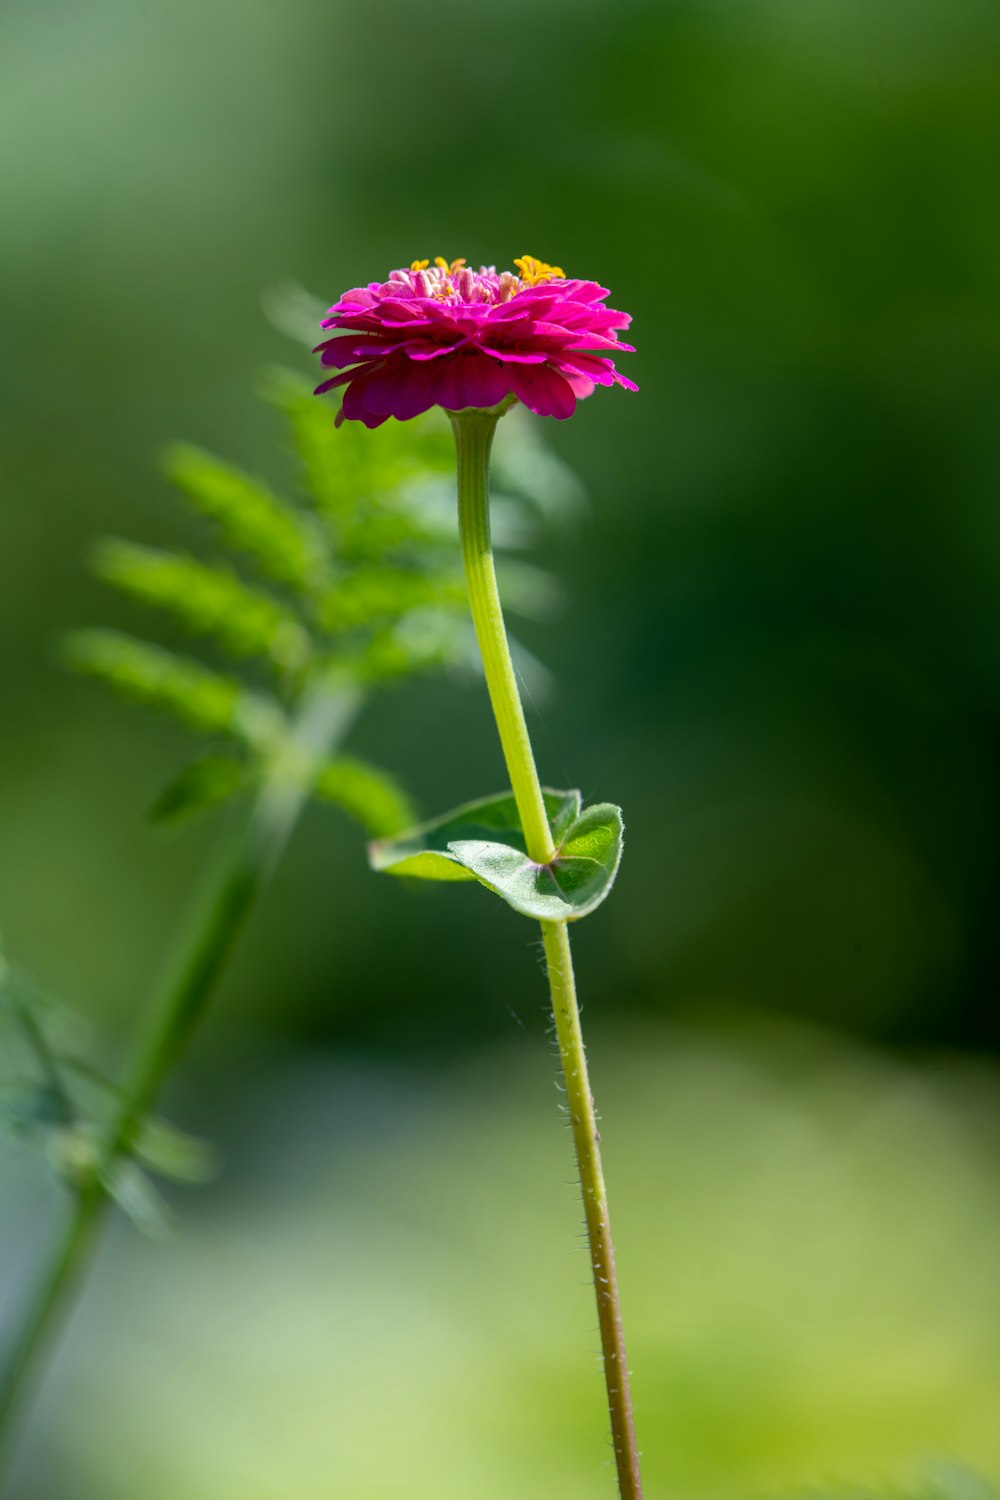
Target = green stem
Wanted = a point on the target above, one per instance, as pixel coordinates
(583, 1119)
(179, 1001)
(473, 438)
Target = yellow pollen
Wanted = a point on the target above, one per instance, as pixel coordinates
(419, 265)
(532, 271)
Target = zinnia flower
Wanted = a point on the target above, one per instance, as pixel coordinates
(445, 335)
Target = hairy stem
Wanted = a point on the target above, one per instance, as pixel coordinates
(178, 1003)
(473, 438)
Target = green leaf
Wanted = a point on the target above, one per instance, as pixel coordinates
(250, 515)
(177, 683)
(132, 1190)
(483, 841)
(530, 591)
(208, 599)
(378, 593)
(201, 785)
(154, 1141)
(422, 640)
(523, 463)
(77, 1156)
(371, 796)
(170, 1153)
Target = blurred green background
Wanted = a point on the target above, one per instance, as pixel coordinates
(781, 655)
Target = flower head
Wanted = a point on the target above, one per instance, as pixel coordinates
(445, 335)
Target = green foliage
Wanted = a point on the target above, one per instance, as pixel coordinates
(249, 515)
(366, 485)
(49, 1097)
(208, 599)
(202, 784)
(369, 795)
(153, 675)
(362, 587)
(483, 841)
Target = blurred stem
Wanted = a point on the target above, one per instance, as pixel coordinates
(177, 1004)
(473, 440)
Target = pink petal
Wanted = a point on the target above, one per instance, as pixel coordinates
(424, 351)
(470, 380)
(344, 377)
(579, 385)
(356, 409)
(341, 352)
(517, 356)
(401, 390)
(543, 390)
(598, 371)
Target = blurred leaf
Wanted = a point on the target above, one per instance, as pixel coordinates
(249, 515)
(523, 463)
(75, 1152)
(157, 1143)
(28, 1108)
(294, 311)
(208, 599)
(199, 786)
(177, 683)
(371, 594)
(483, 840)
(423, 640)
(132, 1190)
(371, 796)
(366, 484)
(171, 1153)
(530, 591)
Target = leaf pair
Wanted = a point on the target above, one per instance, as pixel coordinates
(483, 841)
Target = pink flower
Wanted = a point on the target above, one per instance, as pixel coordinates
(444, 335)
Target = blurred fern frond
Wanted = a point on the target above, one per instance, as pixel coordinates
(250, 517)
(351, 584)
(51, 1099)
(208, 599)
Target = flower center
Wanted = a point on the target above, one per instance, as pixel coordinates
(448, 281)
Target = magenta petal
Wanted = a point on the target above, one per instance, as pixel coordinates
(341, 379)
(585, 291)
(432, 351)
(341, 352)
(543, 390)
(394, 309)
(579, 384)
(598, 371)
(470, 380)
(356, 408)
(517, 356)
(402, 390)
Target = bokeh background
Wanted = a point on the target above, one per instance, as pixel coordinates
(781, 655)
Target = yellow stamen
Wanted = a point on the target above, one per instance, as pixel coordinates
(419, 265)
(532, 271)
(449, 270)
